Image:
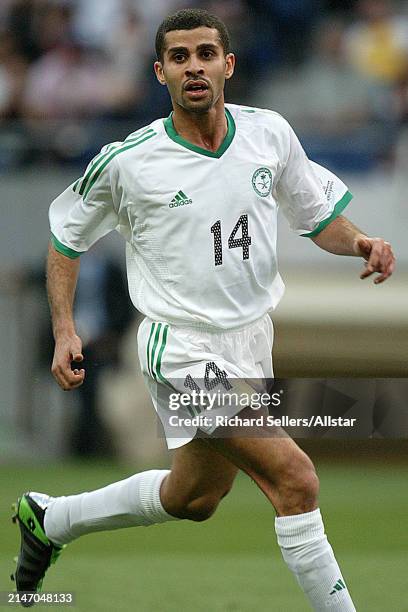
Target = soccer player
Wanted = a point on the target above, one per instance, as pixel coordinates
(195, 196)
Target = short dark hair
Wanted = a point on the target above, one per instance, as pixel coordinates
(190, 19)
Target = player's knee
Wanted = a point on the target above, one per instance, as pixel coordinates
(298, 490)
(308, 486)
(201, 509)
(198, 509)
(226, 490)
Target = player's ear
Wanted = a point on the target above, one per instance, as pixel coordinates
(229, 65)
(158, 69)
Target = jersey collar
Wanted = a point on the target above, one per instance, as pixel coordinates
(231, 129)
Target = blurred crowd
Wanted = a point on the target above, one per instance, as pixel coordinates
(75, 74)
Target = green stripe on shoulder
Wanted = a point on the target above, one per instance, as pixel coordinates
(338, 209)
(105, 151)
(64, 250)
(98, 171)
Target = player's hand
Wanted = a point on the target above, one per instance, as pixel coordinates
(68, 349)
(379, 257)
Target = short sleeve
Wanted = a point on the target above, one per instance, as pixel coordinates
(310, 196)
(88, 209)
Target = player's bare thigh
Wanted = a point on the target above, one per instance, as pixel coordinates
(200, 477)
(280, 468)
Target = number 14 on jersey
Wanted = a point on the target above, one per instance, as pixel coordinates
(233, 242)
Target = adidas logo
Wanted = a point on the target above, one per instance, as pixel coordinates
(339, 586)
(180, 199)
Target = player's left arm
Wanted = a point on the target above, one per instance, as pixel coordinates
(312, 199)
(341, 237)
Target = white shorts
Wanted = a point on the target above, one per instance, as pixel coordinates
(177, 359)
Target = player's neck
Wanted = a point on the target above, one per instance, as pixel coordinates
(206, 130)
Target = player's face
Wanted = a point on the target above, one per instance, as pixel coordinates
(195, 68)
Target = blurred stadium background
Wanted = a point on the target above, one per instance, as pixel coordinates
(76, 74)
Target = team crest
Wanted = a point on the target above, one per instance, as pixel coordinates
(262, 182)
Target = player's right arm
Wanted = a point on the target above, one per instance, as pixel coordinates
(85, 212)
(62, 274)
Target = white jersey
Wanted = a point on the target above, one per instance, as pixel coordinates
(200, 226)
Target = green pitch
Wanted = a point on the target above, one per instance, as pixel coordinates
(230, 563)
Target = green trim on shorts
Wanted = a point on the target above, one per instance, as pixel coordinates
(155, 371)
(159, 356)
(75, 185)
(148, 347)
(156, 340)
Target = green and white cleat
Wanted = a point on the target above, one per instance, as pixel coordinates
(37, 552)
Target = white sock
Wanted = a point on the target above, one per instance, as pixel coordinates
(127, 503)
(310, 557)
